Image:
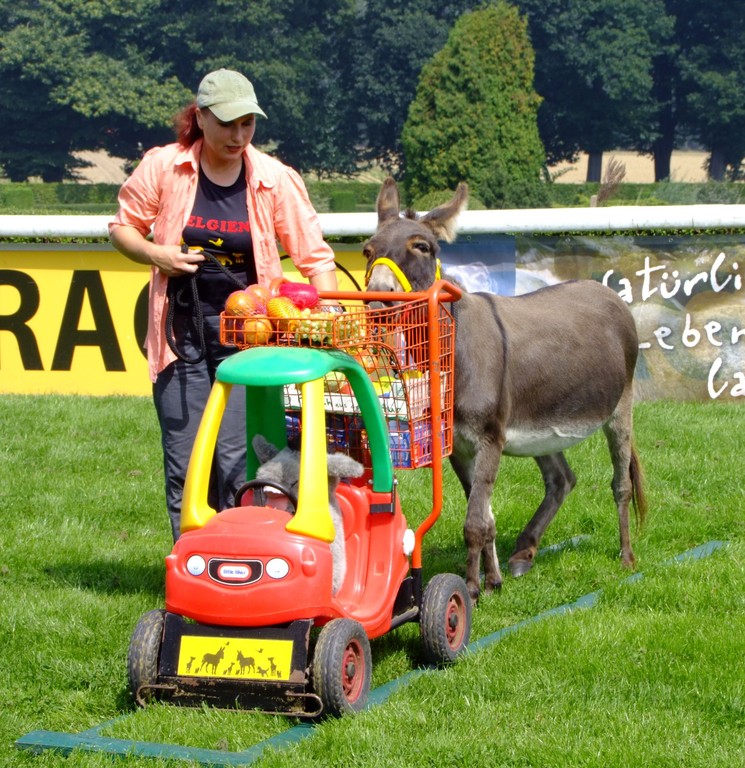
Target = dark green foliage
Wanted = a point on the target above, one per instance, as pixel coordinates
(33, 197)
(661, 193)
(351, 196)
(343, 196)
(594, 69)
(392, 41)
(500, 189)
(337, 77)
(711, 80)
(17, 196)
(474, 115)
(86, 75)
(641, 74)
(39, 136)
(295, 53)
(80, 75)
(341, 202)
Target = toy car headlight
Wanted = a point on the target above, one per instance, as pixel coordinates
(196, 565)
(277, 568)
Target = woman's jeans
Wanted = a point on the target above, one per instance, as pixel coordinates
(180, 395)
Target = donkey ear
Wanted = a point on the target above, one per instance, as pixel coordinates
(264, 450)
(441, 220)
(389, 202)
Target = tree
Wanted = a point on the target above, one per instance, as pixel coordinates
(38, 135)
(111, 75)
(699, 87)
(393, 39)
(474, 117)
(79, 75)
(640, 74)
(594, 64)
(337, 77)
(667, 96)
(296, 55)
(309, 78)
(711, 79)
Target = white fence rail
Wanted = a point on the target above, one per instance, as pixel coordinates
(621, 218)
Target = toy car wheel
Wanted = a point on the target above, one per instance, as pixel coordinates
(342, 667)
(144, 651)
(445, 621)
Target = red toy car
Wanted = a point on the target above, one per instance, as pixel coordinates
(253, 616)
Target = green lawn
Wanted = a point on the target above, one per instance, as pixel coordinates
(652, 675)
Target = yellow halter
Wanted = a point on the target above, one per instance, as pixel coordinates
(400, 276)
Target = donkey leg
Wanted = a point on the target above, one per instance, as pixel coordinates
(477, 477)
(558, 480)
(618, 433)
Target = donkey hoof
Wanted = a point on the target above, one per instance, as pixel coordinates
(520, 567)
(492, 586)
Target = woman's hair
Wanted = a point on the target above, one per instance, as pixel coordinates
(185, 122)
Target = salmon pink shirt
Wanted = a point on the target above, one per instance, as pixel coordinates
(159, 196)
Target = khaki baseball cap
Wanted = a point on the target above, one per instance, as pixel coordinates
(229, 95)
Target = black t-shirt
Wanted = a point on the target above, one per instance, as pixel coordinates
(219, 224)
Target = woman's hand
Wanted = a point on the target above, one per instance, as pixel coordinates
(171, 260)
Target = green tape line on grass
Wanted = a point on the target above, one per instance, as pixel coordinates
(66, 743)
(588, 600)
(90, 741)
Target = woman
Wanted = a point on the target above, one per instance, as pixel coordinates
(210, 197)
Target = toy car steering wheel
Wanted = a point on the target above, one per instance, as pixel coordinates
(259, 496)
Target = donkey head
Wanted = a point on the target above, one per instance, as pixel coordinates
(402, 254)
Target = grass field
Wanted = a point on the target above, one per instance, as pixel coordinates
(653, 675)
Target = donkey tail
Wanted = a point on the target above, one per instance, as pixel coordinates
(638, 497)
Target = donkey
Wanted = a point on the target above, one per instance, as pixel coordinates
(534, 375)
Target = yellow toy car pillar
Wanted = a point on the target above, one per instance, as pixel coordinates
(313, 516)
(195, 511)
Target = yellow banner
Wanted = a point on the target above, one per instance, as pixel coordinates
(73, 318)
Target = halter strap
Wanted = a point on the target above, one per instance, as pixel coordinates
(400, 276)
